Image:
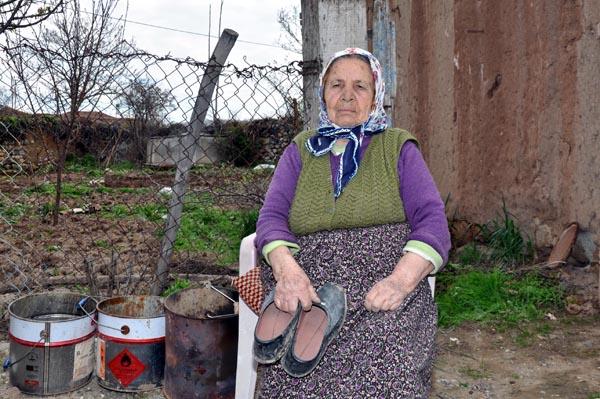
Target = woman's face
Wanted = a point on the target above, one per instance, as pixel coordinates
(348, 92)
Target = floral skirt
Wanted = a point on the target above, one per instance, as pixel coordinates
(375, 355)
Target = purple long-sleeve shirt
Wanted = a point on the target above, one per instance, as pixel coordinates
(423, 205)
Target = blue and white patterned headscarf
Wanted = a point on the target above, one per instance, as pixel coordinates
(328, 132)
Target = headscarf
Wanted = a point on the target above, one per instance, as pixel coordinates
(328, 132)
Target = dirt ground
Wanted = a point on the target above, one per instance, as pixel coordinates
(557, 357)
(474, 363)
(553, 358)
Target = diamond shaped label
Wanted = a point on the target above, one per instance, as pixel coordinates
(126, 367)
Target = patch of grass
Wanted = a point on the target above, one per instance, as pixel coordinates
(475, 374)
(53, 248)
(69, 190)
(151, 212)
(176, 286)
(207, 229)
(493, 297)
(470, 255)
(122, 167)
(75, 190)
(524, 338)
(595, 395)
(102, 244)
(117, 211)
(86, 164)
(204, 228)
(12, 213)
(42, 189)
(506, 241)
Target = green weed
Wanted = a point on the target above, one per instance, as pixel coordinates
(117, 211)
(122, 167)
(102, 244)
(42, 189)
(86, 164)
(176, 286)
(151, 212)
(53, 248)
(75, 190)
(207, 229)
(493, 297)
(506, 241)
(470, 255)
(475, 374)
(12, 213)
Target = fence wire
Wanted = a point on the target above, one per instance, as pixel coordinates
(87, 167)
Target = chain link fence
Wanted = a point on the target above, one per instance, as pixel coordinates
(87, 169)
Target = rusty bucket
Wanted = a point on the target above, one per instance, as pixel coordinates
(131, 343)
(51, 342)
(201, 344)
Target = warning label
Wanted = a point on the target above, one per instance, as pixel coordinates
(83, 359)
(126, 367)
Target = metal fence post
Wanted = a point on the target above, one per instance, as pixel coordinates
(190, 143)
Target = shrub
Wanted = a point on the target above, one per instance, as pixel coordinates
(239, 147)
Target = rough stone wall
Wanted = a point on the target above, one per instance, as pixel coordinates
(505, 98)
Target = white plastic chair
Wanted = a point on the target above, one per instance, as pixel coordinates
(245, 382)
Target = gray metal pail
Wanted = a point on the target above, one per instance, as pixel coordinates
(51, 342)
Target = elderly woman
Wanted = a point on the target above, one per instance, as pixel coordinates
(354, 204)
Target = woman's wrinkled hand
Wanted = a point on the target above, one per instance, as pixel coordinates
(293, 285)
(387, 294)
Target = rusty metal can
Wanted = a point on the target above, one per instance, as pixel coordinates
(201, 344)
(51, 342)
(131, 343)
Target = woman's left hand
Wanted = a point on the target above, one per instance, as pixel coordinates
(389, 293)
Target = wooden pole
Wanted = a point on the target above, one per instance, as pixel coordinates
(190, 144)
(384, 48)
(328, 26)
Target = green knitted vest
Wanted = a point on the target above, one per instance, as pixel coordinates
(371, 198)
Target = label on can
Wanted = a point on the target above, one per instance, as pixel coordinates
(126, 367)
(83, 359)
(101, 359)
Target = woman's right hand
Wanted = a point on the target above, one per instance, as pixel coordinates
(293, 285)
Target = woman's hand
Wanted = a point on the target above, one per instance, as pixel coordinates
(389, 293)
(293, 285)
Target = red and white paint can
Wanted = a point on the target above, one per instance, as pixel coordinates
(131, 343)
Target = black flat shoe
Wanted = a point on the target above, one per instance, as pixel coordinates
(316, 329)
(274, 331)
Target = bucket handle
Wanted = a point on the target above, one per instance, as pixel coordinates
(8, 364)
(222, 293)
(123, 330)
(210, 315)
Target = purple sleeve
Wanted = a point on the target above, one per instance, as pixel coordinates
(272, 221)
(423, 204)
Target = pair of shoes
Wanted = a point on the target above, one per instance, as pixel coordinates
(303, 341)
(274, 331)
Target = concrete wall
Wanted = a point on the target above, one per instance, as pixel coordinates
(166, 151)
(505, 98)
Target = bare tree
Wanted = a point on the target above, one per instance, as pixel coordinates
(291, 31)
(71, 66)
(147, 105)
(15, 14)
(4, 98)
